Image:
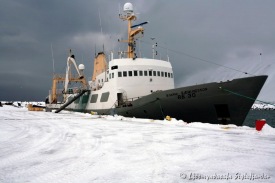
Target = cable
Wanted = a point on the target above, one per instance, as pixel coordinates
(200, 59)
(250, 98)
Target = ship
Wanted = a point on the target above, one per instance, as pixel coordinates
(131, 86)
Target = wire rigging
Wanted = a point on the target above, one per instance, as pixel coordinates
(200, 59)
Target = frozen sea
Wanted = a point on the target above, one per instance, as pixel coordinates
(74, 147)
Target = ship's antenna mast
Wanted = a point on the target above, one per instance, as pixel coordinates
(100, 26)
(100, 21)
(119, 8)
(153, 48)
(130, 16)
(53, 59)
(139, 48)
(167, 52)
(260, 57)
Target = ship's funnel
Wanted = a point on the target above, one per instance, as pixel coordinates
(100, 65)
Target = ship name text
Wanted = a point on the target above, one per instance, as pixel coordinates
(187, 93)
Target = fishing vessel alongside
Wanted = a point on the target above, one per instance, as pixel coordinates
(144, 88)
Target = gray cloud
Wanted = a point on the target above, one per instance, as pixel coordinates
(230, 33)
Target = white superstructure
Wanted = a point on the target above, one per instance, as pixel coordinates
(129, 79)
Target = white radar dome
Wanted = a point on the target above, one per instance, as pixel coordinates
(128, 8)
(81, 67)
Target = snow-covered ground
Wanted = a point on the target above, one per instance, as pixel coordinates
(254, 106)
(75, 147)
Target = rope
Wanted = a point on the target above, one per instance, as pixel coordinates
(244, 96)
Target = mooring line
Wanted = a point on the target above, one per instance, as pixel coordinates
(250, 98)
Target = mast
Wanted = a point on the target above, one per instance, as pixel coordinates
(130, 16)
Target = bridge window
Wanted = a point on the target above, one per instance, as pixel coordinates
(145, 73)
(158, 73)
(168, 74)
(135, 73)
(85, 99)
(113, 75)
(130, 73)
(70, 91)
(124, 73)
(154, 73)
(150, 73)
(165, 74)
(114, 67)
(171, 75)
(162, 74)
(140, 73)
(119, 74)
(104, 97)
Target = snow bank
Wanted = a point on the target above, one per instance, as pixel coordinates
(263, 107)
(75, 147)
(22, 103)
(268, 130)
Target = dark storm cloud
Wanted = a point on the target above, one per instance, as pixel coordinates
(28, 28)
(230, 33)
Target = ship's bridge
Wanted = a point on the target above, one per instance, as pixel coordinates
(140, 76)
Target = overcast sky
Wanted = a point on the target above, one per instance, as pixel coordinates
(232, 33)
